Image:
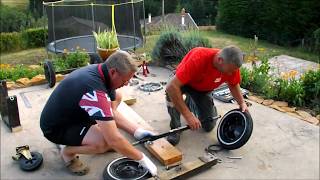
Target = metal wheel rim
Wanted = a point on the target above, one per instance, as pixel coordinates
(111, 172)
(150, 87)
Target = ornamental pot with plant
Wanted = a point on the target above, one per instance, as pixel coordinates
(107, 43)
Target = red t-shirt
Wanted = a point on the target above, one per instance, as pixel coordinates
(197, 71)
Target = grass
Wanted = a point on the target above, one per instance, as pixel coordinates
(218, 40)
(28, 57)
(21, 4)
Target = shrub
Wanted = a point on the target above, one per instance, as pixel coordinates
(245, 77)
(35, 37)
(11, 42)
(30, 38)
(194, 39)
(168, 48)
(311, 85)
(292, 91)
(12, 19)
(76, 59)
(19, 71)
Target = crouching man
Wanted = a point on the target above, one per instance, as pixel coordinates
(81, 114)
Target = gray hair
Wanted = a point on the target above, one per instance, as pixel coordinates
(232, 55)
(122, 61)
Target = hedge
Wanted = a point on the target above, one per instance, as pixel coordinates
(282, 22)
(29, 38)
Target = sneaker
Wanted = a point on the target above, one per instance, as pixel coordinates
(174, 139)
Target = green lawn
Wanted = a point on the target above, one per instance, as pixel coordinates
(29, 56)
(217, 39)
(22, 4)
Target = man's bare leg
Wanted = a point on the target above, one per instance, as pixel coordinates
(92, 143)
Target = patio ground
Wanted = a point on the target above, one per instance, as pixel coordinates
(281, 146)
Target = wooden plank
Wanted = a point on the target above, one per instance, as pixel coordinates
(166, 153)
(188, 169)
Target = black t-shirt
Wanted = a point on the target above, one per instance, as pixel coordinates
(83, 96)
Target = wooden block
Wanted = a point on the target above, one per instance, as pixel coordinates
(164, 152)
(188, 169)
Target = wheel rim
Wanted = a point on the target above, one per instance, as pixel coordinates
(232, 128)
(125, 168)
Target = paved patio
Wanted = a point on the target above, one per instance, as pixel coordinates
(281, 146)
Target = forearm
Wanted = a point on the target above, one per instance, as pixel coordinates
(236, 93)
(123, 123)
(176, 98)
(122, 146)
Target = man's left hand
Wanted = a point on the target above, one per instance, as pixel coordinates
(140, 133)
(244, 107)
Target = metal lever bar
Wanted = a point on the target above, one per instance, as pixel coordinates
(172, 131)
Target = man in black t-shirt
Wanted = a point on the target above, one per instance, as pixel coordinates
(81, 114)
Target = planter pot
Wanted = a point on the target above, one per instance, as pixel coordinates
(105, 53)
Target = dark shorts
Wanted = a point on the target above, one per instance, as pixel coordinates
(71, 135)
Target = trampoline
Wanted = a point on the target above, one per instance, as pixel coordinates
(89, 43)
(71, 23)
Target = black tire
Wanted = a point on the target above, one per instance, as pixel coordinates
(33, 164)
(95, 58)
(235, 129)
(124, 168)
(49, 73)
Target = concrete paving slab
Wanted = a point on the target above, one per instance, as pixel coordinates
(281, 146)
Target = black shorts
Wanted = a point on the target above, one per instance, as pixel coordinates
(71, 135)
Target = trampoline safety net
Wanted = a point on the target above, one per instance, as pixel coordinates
(71, 23)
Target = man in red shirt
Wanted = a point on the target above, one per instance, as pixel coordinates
(199, 73)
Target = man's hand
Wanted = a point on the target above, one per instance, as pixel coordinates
(140, 133)
(243, 107)
(148, 164)
(193, 122)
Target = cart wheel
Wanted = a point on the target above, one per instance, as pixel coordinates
(32, 164)
(125, 168)
(49, 73)
(235, 129)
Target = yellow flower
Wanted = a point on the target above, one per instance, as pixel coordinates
(65, 50)
(78, 47)
(261, 49)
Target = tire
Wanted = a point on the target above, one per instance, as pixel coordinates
(49, 73)
(235, 129)
(95, 58)
(33, 164)
(119, 169)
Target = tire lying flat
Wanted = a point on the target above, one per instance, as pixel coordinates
(125, 168)
(234, 129)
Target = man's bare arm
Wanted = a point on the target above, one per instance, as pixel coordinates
(236, 93)
(117, 141)
(174, 91)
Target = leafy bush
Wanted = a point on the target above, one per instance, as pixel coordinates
(245, 77)
(35, 37)
(30, 38)
(278, 22)
(292, 91)
(12, 19)
(311, 85)
(194, 39)
(168, 48)
(11, 42)
(19, 71)
(76, 59)
(172, 46)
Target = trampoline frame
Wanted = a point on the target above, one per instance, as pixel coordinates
(52, 46)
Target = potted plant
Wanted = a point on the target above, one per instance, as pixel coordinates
(107, 43)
